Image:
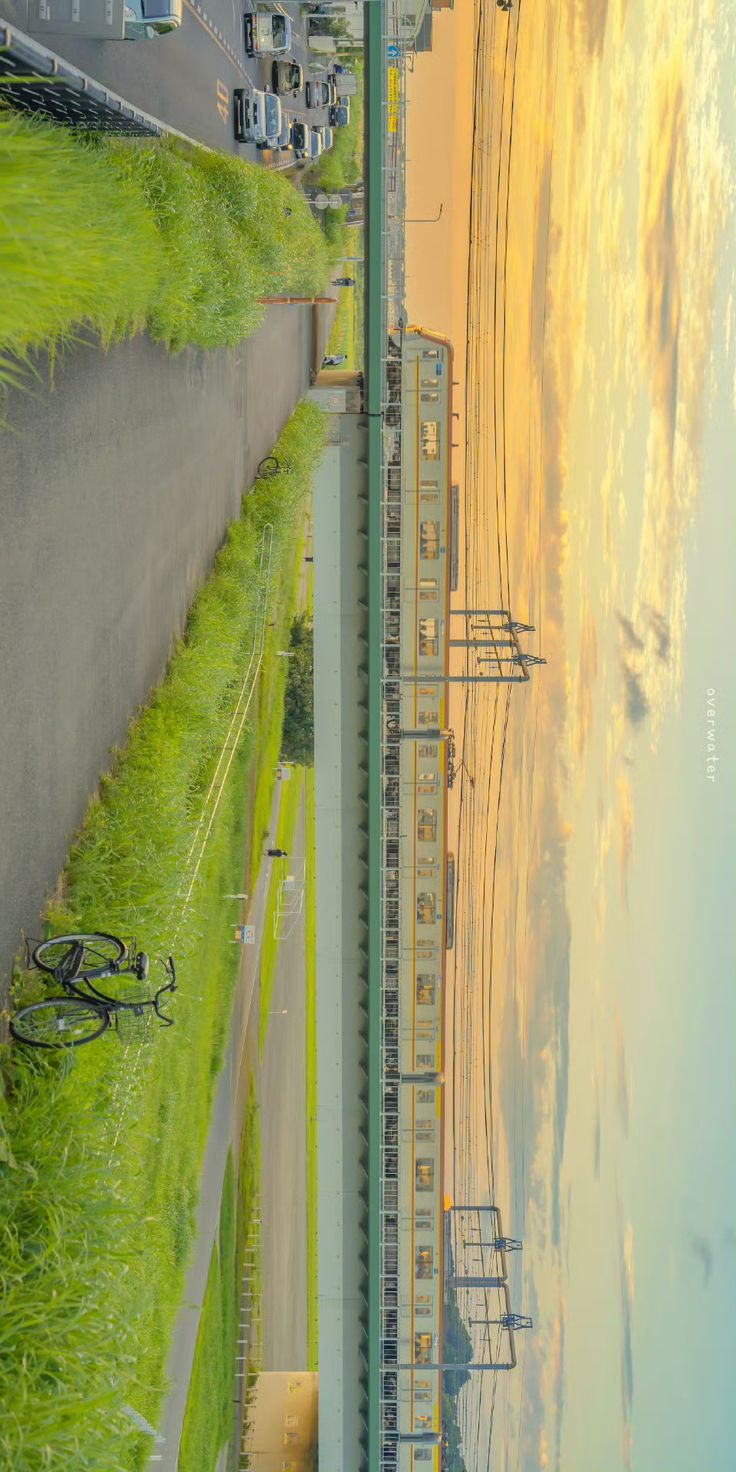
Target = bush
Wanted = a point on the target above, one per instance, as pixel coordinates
(117, 235)
(298, 738)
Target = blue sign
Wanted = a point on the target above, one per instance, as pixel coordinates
(392, 51)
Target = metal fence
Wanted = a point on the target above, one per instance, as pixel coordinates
(35, 80)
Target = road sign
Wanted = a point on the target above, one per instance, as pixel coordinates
(321, 201)
(392, 51)
(246, 934)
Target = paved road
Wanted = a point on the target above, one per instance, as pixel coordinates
(116, 488)
(282, 1085)
(185, 79)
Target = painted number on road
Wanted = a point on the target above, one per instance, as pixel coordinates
(223, 99)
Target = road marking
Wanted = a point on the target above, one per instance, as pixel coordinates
(202, 19)
(223, 101)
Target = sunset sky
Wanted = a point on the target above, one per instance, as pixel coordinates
(612, 371)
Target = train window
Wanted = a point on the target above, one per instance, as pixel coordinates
(422, 1356)
(429, 540)
(430, 436)
(428, 717)
(424, 1174)
(423, 1262)
(429, 589)
(423, 1310)
(426, 907)
(426, 1060)
(424, 1219)
(426, 989)
(425, 1096)
(431, 396)
(430, 750)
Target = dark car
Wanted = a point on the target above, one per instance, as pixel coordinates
(338, 116)
(300, 139)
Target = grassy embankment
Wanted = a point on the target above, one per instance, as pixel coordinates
(161, 236)
(208, 1421)
(101, 1151)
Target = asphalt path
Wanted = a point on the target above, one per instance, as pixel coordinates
(282, 1091)
(185, 79)
(117, 484)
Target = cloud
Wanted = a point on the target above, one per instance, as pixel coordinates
(637, 705)
(622, 1079)
(626, 1272)
(660, 629)
(625, 824)
(660, 297)
(629, 632)
(702, 1250)
(585, 681)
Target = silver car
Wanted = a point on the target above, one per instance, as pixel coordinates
(147, 18)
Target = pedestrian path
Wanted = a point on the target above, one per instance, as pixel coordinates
(225, 1126)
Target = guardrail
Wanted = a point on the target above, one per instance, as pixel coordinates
(34, 79)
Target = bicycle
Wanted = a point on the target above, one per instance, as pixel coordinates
(272, 465)
(78, 963)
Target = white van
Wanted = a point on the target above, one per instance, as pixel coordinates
(258, 117)
(267, 32)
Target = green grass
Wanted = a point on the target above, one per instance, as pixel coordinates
(270, 713)
(115, 236)
(310, 902)
(342, 337)
(208, 1420)
(291, 796)
(97, 1209)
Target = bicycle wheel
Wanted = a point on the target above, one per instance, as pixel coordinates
(100, 950)
(59, 1022)
(268, 468)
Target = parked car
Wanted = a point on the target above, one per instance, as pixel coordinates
(339, 116)
(300, 139)
(315, 145)
(267, 32)
(327, 137)
(145, 19)
(317, 93)
(258, 117)
(284, 139)
(287, 76)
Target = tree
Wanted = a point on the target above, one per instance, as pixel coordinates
(297, 741)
